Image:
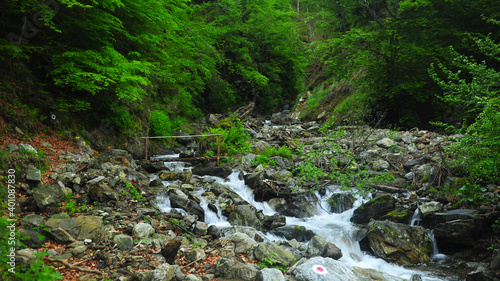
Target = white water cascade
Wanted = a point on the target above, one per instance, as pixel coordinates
(415, 221)
(334, 227)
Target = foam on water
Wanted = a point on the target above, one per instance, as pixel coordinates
(334, 227)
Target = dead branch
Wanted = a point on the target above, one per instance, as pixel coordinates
(68, 265)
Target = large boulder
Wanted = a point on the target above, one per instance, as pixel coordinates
(32, 238)
(318, 246)
(143, 230)
(79, 228)
(224, 191)
(48, 195)
(399, 243)
(373, 209)
(212, 170)
(187, 205)
(244, 215)
(241, 241)
(231, 269)
(428, 208)
(123, 242)
(299, 233)
(32, 221)
(457, 228)
(34, 174)
(273, 222)
(270, 274)
(327, 269)
(340, 202)
(101, 192)
(296, 206)
(117, 157)
(270, 250)
(164, 272)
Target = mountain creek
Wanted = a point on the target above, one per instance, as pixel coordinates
(165, 219)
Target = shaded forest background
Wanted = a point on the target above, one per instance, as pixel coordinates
(157, 65)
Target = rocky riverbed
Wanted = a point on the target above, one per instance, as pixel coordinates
(135, 219)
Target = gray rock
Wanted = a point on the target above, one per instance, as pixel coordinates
(282, 162)
(230, 269)
(299, 233)
(96, 180)
(327, 269)
(495, 260)
(117, 157)
(416, 277)
(381, 165)
(247, 160)
(164, 272)
(123, 242)
(48, 195)
(297, 206)
(12, 147)
(244, 215)
(101, 192)
(407, 138)
(340, 202)
(187, 205)
(457, 228)
(399, 243)
(196, 254)
(27, 147)
(143, 230)
(373, 209)
(32, 221)
(34, 174)
(409, 176)
(270, 274)
(270, 250)
(415, 162)
(191, 277)
(260, 146)
(200, 228)
(212, 170)
(318, 246)
(386, 143)
(27, 254)
(32, 238)
(241, 241)
(428, 208)
(78, 250)
(80, 228)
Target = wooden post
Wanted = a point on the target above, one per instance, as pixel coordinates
(146, 148)
(218, 149)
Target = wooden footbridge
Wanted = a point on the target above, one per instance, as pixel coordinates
(183, 159)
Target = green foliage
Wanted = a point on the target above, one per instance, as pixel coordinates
(160, 123)
(265, 155)
(175, 221)
(72, 105)
(70, 206)
(338, 164)
(473, 85)
(270, 262)
(35, 269)
(133, 191)
(234, 140)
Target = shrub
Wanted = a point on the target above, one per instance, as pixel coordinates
(160, 123)
(234, 139)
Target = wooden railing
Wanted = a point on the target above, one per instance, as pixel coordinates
(190, 136)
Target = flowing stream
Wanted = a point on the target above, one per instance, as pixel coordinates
(334, 227)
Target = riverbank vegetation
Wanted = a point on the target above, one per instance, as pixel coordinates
(113, 71)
